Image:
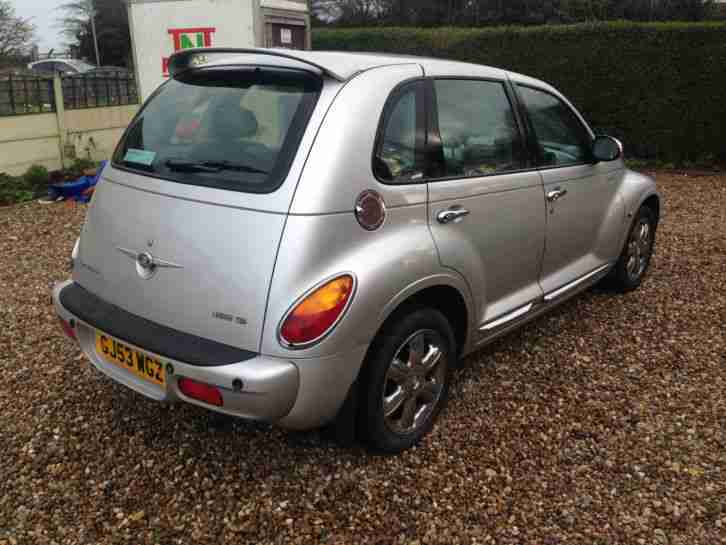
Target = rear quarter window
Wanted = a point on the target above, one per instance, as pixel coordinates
(399, 152)
(233, 128)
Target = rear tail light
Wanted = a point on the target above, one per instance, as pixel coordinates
(200, 391)
(68, 328)
(317, 313)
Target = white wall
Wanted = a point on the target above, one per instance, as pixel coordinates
(233, 22)
(34, 139)
(27, 140)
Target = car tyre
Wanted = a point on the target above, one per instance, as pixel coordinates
(634, 260)
(405, 379)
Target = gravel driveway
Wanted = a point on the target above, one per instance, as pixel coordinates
(604, 422)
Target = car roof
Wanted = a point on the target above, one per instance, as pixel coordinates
(43, 61)
(349, 63)
(342, 65)
(76, 64)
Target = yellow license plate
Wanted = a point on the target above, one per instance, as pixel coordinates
(142, 365)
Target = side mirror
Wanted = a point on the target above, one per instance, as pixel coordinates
(607, 148)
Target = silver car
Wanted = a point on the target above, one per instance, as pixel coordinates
(317, 238)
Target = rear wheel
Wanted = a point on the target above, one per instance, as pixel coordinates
(406, 380)
(635, 258)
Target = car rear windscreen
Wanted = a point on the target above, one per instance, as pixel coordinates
(234, 128)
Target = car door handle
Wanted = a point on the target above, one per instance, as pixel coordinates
(556, 194)
(452, 214)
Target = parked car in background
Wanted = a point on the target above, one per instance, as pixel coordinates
(64, 66)
(308, 238)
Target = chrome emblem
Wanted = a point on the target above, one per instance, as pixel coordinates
(145, 261)
(147, 264)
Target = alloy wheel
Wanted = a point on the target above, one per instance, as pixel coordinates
(639, 249)
(414, 382)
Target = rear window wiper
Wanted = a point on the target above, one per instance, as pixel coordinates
(184, 165)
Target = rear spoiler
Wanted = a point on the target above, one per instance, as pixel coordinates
(188, 59)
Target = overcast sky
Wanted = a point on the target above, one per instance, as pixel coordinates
(43, 14)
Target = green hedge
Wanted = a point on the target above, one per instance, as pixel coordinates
(660, 87)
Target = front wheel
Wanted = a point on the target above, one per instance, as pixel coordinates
(635, 257)
(406, 379)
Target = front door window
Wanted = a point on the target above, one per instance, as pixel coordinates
(562, 139)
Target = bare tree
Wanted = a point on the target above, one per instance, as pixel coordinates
(16, 33)
(111, 27)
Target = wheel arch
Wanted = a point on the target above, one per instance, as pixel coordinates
(449, 295)
(652, 202)
(638, 190)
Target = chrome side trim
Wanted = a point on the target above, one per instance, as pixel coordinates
(499, 322)
(551, 296)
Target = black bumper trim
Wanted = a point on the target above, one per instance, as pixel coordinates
(146, 334)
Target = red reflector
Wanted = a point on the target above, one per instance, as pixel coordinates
(68, 329)
(200, 391)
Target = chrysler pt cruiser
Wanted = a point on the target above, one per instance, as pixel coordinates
(317, 238)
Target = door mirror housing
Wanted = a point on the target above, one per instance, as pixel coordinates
(607, 148)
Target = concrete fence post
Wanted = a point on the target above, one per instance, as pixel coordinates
(60, 116)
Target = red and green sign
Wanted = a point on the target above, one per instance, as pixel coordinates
(188, 38)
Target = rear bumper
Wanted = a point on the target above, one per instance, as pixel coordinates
(297, 394)
(270, 385)
(138, 331)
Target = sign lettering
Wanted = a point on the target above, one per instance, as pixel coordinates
(187, 38)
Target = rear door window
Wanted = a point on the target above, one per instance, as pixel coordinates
(479, 133)
(234, 128)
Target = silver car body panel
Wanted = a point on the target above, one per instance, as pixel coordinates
(253, 255)
(385, 263)
(583, 226)
(476, 245)
(442, 68)
(219, 275)
(339, 168)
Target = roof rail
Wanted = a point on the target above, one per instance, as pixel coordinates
(187, 59)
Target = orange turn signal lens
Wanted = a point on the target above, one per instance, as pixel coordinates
(318, 312)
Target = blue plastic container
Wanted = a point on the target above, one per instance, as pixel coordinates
(75, 189)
